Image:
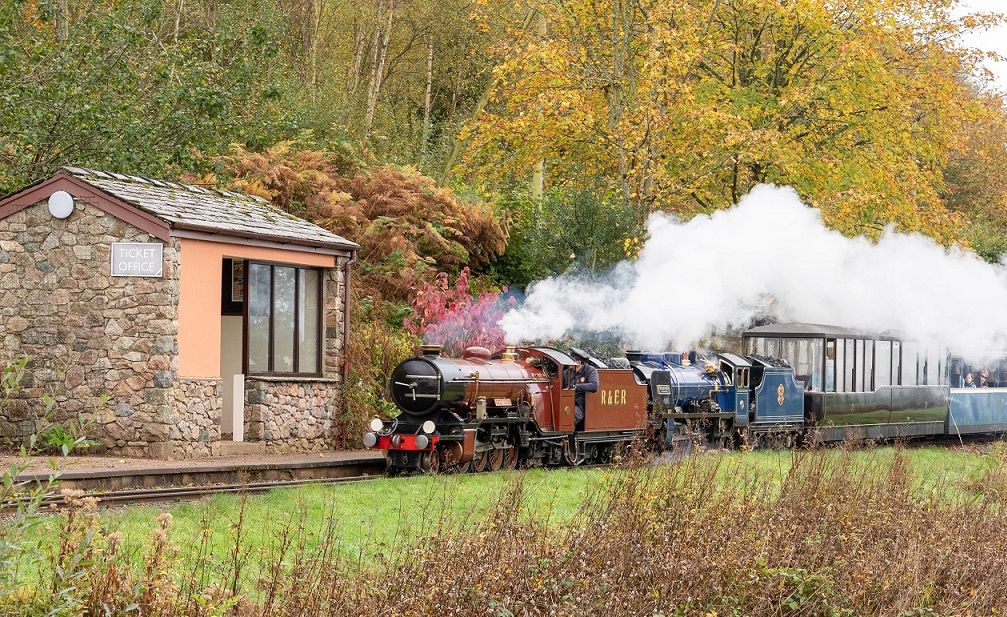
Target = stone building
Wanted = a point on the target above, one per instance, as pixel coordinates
(177, 320)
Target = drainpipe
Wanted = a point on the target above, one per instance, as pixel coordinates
(346, 315)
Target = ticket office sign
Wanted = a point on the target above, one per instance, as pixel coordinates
(138, 259)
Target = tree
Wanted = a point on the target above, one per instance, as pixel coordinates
(569, 229)
(684, 106)
(976, 179)
(137, 87)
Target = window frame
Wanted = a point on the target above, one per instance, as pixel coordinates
(270, 347)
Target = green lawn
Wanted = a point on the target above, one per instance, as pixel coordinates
(371, 516)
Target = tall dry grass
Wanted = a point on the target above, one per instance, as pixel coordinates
(831, 536)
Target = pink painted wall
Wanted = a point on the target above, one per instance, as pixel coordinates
(199, 297)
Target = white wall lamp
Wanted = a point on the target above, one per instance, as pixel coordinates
(61, 204)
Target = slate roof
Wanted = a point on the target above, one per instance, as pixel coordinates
(194, 208)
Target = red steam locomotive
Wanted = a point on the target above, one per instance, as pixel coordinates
(484, 412)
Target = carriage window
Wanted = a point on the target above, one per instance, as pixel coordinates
(868, 366)
(956, 373)
(909, 364)
(896, 359)
(805, 356)
(882, 364)
(772, 347)
(830, 365)
(841, 365)
(933, 368)
(814, 360)
(790, 353)
(858, 374)
(851, 367)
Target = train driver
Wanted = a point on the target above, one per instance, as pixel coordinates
(585, 379)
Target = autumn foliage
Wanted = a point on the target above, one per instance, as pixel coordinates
(449, 315)
(685, 106)
(408, 228)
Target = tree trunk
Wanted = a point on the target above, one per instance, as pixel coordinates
(538, 172)
(614, 93)
(378, 69)
(318, 7)
(428, 97)
(63, 20)
(538, 181)
(357, 64)
(179, 6)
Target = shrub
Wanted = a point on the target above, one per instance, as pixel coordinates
(408, 228)
(449, 315)
(373, 351)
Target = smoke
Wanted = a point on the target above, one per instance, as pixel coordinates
(771, 253)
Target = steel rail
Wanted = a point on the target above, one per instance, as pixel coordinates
(174, 494)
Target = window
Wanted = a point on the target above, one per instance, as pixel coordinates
(868, 366)
(283, 327)
(896, 359)
(882, 364)
(805, 356)
(858, 375)
(933, 368)
(830, 365)
(851, 367)
(909, 364)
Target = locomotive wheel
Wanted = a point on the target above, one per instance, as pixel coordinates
(480, 461)
(431, 461)
(570, 453)
(451, 457)
(496, 461)
(510, 458)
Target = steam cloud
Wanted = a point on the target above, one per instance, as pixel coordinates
(717, 272)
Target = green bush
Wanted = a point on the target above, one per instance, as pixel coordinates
(567, 230)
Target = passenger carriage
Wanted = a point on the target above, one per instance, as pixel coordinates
(861, 385)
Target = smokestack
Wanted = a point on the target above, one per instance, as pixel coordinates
(634, 356)
(431, 350)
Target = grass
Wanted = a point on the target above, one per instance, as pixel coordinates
(374, 515)
(370, 515)
(919, 531)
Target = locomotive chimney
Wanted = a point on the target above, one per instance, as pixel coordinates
(633, 356)
(431, 350)
(509, 354)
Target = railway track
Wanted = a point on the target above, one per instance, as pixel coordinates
(176, 494)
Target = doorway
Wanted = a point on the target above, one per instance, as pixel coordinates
(231, 349)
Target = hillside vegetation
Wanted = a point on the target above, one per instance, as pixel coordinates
(512, 141)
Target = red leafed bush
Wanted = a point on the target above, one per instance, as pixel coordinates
(449, 315)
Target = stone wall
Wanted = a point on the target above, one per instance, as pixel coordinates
(195, 419)
(101, 346)
(332, 362)
(291, 415)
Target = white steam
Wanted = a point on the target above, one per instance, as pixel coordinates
(716, 272)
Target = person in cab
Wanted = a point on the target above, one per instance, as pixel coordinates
(585, 379)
